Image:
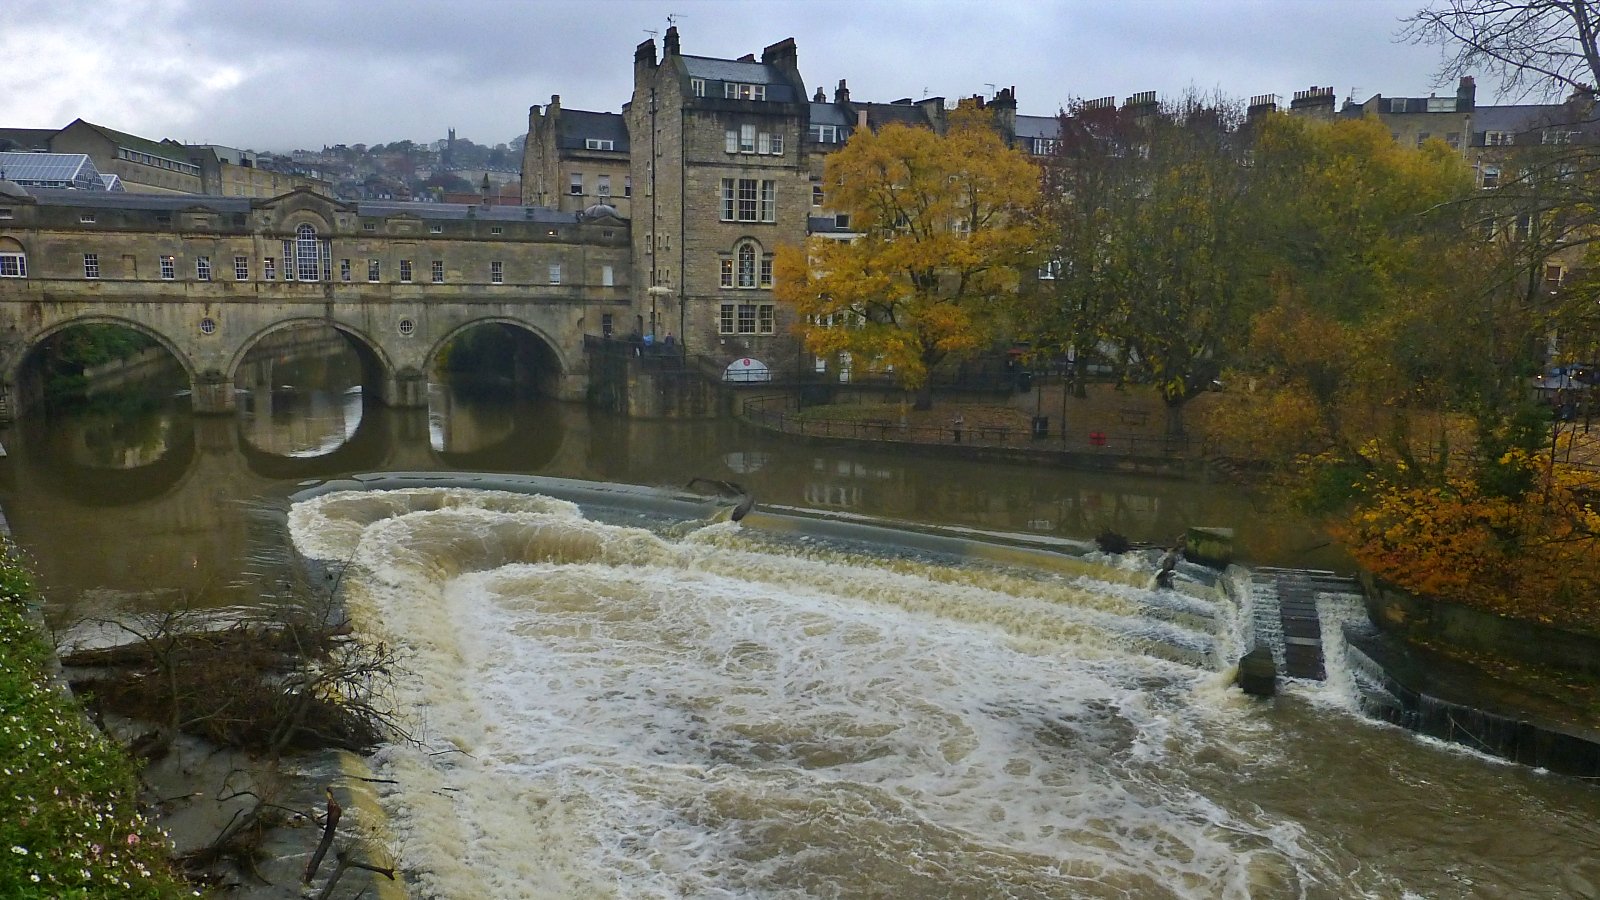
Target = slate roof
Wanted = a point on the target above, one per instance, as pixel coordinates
(134, 142)
(1521, 117)
(829, 114)
(27, 138)
(881, 114)
(779, 90)
(174, 202)
(580, 124)
(1038, 126)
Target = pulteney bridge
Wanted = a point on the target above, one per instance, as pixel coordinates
(208, 278)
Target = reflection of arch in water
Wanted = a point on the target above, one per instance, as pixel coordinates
(94, 486)
(536, 434)
(537, 362)
(24, 371)
(369, 448)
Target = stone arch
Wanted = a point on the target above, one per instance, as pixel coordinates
(548, 347)
(32, 343)
(363, 344)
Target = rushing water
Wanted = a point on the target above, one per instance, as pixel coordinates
(621, 706)
(609, 710)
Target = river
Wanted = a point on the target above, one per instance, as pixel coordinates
(646, 709)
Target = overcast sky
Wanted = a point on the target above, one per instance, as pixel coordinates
(289, 74)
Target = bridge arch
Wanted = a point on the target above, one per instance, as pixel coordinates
(377, 367)
(539, 358)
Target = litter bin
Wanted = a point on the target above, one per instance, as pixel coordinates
(1024, 381)
(1041, 427)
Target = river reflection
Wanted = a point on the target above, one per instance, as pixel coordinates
(204, 494)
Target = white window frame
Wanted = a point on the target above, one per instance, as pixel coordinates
(13, 264)
(575, 184)
(86, 218)
(824, 134)
(1491, 177)
(769, 200)
(627, 185)
(555, 273)
(697, 87)
(608, 276)
(202, 268)
(747, 318)
(405, 271)
(374, 269)
(436, 229)
(747, 139)
(307, 254)
(599, 144)
(344, 270)
(269, 269)
(1497, 138)
(91, 266)
(436, 270)
(602, 185)
(241, 268)
(168, 267)
(497, 272)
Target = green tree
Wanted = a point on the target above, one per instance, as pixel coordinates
(944, 226)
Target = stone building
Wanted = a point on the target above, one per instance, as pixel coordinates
(574, 158)
(143, 166)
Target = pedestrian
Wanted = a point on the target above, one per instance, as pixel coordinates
(955, 425)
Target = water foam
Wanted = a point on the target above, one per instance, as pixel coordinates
(609, 712)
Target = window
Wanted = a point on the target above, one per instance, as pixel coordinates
(496, 229)
(747, 139)
(555, 273)
(374, 270)
(86, 218)
(307, 250)
(599, 144)
(1441, 104)
(169, 268)
(607, 277)
(1491, 176)
(824, 134)
(602, 185)
(816, 195)
(727, 272)
(13, 265)
(436, 229)
(746, 254)
(1050, 270)
(1552, 278)
(748, 200)
(1422, 138)
(747, 318)
(1523, 227)
(766, 270)
(842, 221)
(202, 268)
(1044, 146)
(497, 272)
(627, 185)
(91, 265)
(269, 269)
(241, 268)
(5, 212)
(1497, 138)
(732, 90)
(344, 270)
(437, 269)
(369, 226)
(405, 271)
(607, 324)
(1556, 136)
(1453, 138)
(697, 87)
(576, 187)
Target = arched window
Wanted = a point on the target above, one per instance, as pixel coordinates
(308, 265)
(13, 259)
(747, 253)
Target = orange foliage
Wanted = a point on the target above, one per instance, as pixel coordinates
(1533, 556)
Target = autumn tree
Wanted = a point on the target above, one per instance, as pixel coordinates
(944, 225)
(1146, 208)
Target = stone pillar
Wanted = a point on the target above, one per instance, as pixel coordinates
(212, 394)
(408, 389)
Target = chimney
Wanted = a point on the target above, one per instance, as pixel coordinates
(1467, 94)
(669, 44)
(782, 54)
(841, 94)
(645, 53)
(861, 118)
(1261, 105)
(821, 96)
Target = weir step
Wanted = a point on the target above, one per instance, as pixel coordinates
(1285, 615)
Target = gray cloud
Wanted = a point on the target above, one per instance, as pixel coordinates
(302, 73)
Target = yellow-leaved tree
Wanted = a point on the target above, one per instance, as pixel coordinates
(943, 227)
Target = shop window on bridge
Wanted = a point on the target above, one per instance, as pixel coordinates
(13, 264)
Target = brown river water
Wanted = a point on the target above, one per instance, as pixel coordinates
(644, 709)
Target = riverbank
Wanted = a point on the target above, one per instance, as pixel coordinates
(69, 818)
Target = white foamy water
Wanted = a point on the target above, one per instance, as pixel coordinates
(609, 712)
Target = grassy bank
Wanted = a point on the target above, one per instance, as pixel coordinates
(69, 825)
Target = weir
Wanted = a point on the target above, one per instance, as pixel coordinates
(798, 704)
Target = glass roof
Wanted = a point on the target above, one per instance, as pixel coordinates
(68, 170)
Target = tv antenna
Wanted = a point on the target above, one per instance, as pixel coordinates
(672, 19)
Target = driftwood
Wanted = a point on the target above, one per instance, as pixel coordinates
(328, 829)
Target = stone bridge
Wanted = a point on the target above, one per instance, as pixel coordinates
(208, 278)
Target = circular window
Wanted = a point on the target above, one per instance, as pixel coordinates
(208, 325)
(407, 327)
